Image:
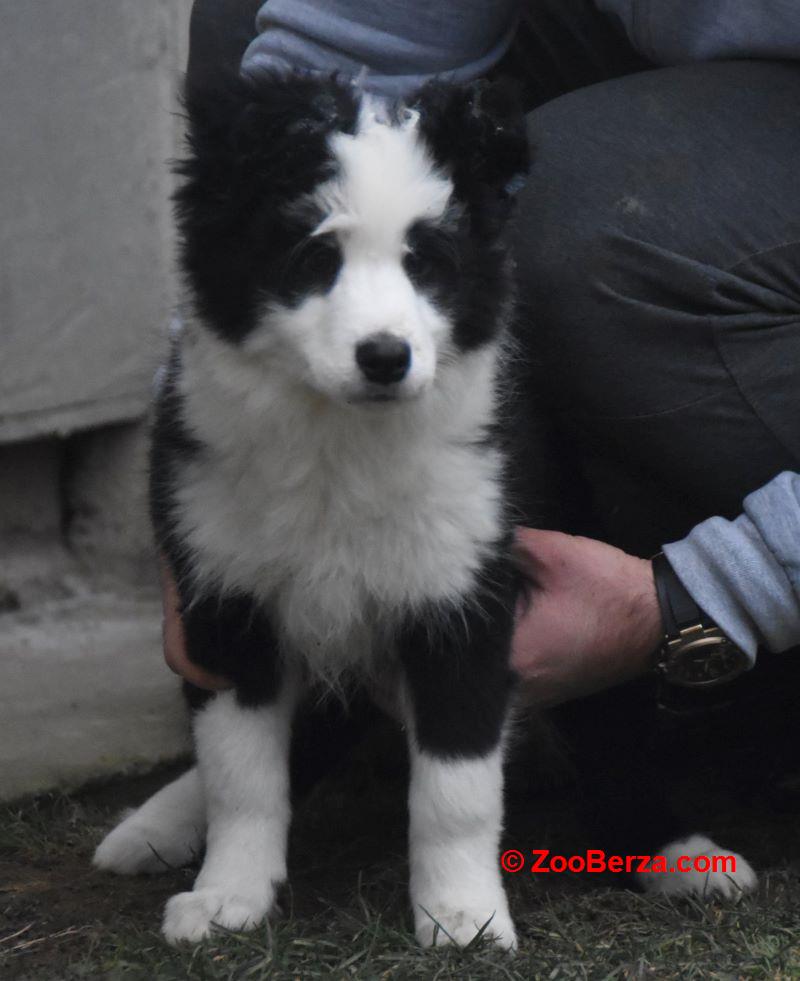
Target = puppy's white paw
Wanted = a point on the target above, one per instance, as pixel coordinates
(727, 879)
(127, 851)
(440, 926)
(191, 916)
(134, 849)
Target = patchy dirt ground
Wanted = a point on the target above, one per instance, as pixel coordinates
(345, 914)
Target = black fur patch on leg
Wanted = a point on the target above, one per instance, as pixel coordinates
(233, 637)
(457, 668)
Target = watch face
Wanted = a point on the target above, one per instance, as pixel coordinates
(705, 662)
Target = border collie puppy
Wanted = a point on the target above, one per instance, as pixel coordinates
(327, 484)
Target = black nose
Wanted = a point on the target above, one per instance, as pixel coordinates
(383, 358)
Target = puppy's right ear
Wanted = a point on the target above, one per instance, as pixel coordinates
(266, 135)
(254, 147)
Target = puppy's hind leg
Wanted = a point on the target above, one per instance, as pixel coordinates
(167, 831)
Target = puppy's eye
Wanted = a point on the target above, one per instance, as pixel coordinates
(432, 257)
(312, 266)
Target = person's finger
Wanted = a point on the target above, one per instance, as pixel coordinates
(178, 661)
(201, 678)
(174, 641)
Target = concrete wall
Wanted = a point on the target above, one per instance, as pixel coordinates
(88, 100)
(84, 691)
(89, 108)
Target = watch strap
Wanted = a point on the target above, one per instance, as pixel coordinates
(678, 609)
(695, 652)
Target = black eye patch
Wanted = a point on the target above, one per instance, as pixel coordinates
(433, 258)
(312, 266)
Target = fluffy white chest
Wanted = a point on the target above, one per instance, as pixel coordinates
(338, 518)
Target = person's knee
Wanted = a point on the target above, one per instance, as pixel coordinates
(660, 159)
(567, 208)
(620, 269)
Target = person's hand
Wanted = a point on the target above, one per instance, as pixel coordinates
(175, 639)
(593, 620)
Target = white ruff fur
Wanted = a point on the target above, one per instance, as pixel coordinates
(329, 513)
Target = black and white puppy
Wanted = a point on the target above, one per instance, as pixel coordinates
(327, 483)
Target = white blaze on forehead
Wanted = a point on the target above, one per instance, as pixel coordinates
(386, 181)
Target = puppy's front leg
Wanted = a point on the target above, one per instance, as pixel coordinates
(243, 757)
(243, 762)
(458, 684)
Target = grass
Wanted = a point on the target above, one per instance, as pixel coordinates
(345, 914)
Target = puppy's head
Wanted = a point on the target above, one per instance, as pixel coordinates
(354, 246)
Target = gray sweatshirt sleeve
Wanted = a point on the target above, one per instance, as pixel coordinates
(745, 573)
(670, 32)
(394, 46)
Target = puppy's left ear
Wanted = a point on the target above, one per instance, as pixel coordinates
(477, 134)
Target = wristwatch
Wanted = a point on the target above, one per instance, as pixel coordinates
(695, 652)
